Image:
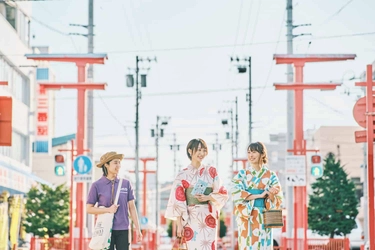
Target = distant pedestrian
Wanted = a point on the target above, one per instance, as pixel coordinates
(103, 193)
(250, 187)
(196, 198)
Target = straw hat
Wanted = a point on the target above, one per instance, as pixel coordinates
(109, 156)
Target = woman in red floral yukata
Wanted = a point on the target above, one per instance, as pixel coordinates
(196, 199)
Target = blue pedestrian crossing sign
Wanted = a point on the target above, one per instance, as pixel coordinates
(144, 220)
(82, 164)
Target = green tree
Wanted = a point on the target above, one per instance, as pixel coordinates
(223, 228)
(47, 211)
(170, 228)
(333, 205)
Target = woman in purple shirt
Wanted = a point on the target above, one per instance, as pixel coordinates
(103, 192)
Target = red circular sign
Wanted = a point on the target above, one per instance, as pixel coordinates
(359, 112)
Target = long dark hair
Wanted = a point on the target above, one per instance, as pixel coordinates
(261, 149)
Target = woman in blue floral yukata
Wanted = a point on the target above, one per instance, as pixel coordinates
(250, 188)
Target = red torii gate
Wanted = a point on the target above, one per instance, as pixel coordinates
(149, 244)
(299, 61)
(145, 172)
(81, 60)
(365, 118)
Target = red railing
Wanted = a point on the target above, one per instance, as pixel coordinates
(55, 244)
(315, 244)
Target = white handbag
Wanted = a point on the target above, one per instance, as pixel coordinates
(101, 236)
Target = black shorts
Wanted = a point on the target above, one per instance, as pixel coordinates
(120, 240)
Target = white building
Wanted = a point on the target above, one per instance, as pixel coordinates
(15, 162)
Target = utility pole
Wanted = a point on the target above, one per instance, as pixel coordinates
(130, 84)
(159, 132)
(290, 112)
(242, 69)
(217, 148)
(90, 101)
(250, 105)
(137, 133)
(175, 147)
(290, 105)
(236, 129)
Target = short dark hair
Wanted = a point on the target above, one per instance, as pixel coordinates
(261, 149)
(194, 144)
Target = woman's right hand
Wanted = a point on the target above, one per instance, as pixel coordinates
(112, 209)
(264, 194)
(180, 231)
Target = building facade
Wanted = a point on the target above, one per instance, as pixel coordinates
(15, 161)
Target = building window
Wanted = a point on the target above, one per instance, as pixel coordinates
(10, 15)
(19, 149)
(18, 85)
(358, 187)
(42, 74)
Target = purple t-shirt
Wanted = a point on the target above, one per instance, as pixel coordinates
(101, 192)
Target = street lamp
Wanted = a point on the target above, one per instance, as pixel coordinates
(130, 84)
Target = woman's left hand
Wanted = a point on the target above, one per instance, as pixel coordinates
(202, 197)
(273, 190)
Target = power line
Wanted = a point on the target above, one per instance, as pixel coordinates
(49, 27)
(233, 45)
(172, 93)
(229, 45)
(117, 120)
(238, 27)
(271, 68)
(337, 12)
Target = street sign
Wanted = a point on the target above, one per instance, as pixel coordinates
(359, 111)
(296, 180)
(295, 170)
(82, 178)
(82, 164)
(144, 220)
(295, 164)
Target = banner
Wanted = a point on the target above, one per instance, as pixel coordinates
(15, 210)
(4, 232)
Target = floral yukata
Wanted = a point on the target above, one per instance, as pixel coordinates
(199, 220)
(252, 235)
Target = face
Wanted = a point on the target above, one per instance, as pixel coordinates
(253, 156)
(114, 166)
(199, 154)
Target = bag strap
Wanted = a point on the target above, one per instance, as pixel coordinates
(118, 191)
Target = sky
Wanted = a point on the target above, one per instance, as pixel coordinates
(193, 78)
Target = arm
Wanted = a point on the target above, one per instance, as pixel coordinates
(91, 209)
(275, 192)
(219, 195)
(134, 215)
(243, 200)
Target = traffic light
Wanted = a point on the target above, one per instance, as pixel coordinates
(60, 168)
(316, 166)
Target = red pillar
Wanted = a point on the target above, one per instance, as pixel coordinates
(145, 172)
(370, 117)
(299, 61)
